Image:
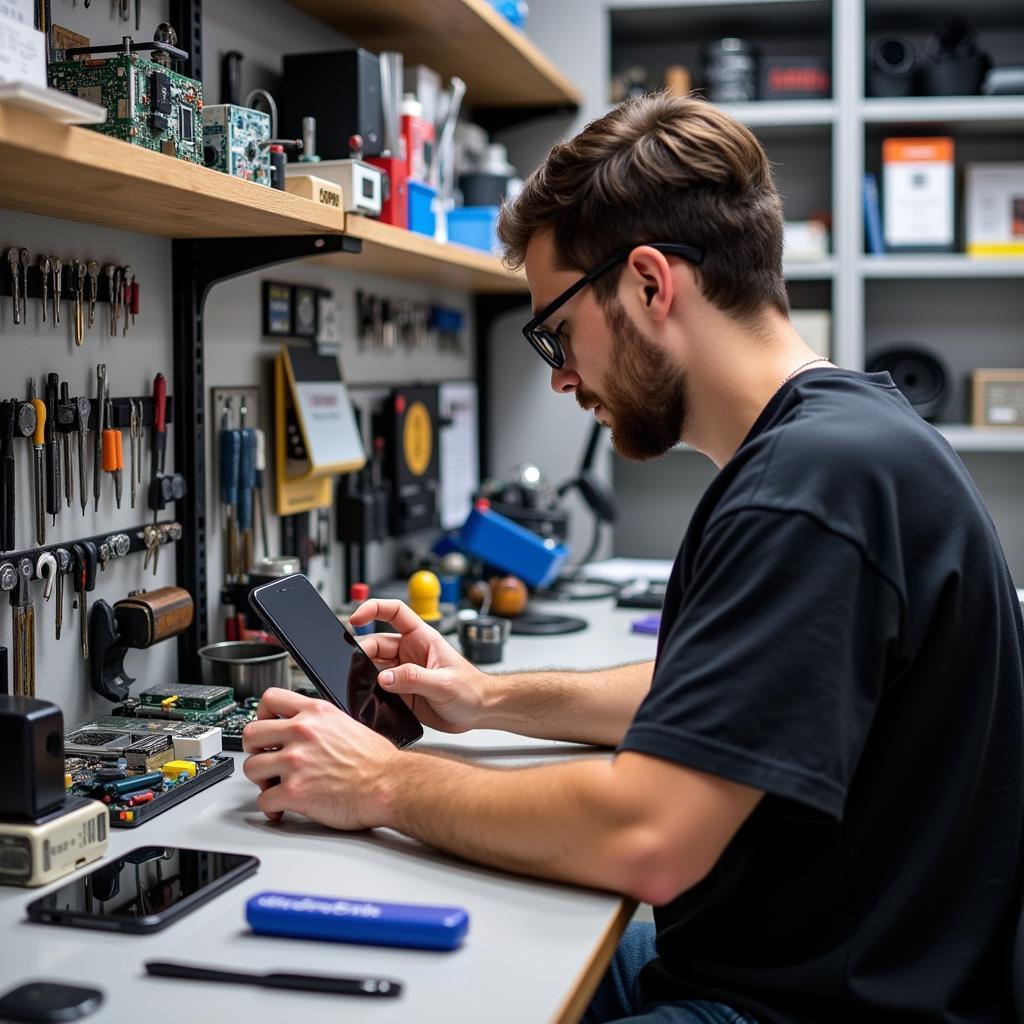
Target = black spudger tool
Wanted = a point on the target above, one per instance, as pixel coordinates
(276, 979)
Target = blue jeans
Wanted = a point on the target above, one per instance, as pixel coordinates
(618, 996)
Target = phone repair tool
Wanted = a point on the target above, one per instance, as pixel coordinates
(246, 486)
(330, 984)
(135, 622)
(39, 451)
(83, 407)
(24, 631)
(84, 576)
(51, 436)
(113, 452)
(63, 557)
(65, 427)
(44, 279)
(159, 442)
(8, 416)
(261, 468)
(12, 262)
(230, 452)
(97, 451)
(135, 444)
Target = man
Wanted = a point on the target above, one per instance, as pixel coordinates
(818, 782)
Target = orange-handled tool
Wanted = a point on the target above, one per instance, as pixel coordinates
(39, 447)
(113, 453)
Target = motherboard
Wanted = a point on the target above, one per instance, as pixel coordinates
(147, 104)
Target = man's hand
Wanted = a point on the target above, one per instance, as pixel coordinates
(441, 687)
(308, 756)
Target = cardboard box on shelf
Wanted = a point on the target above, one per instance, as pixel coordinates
(917, 194)
(994, 197)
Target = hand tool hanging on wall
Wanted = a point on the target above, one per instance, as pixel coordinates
(83, 407)
(230, 452)
(83, 571)
(159, 442)
(246, 486)
(46, 570)
(113, 451)
(23, 629)
(63, 565)
(135, 444)
(53, 487)
(65, 426)
(39, 471)
(8, 415)
(261, 468)
(97, 451)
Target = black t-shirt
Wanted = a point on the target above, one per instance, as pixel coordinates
(841, 632)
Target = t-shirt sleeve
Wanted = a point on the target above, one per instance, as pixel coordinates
(771, 673)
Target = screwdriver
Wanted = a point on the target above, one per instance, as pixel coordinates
(261, 465)
(230, 456)
(83, 571)
(52, 450)
(38, 444)
(24, 631)
(83, 407)
(246, 485)
(7, 474)
(113, 453)
(66, 425)
(159, 442)
(97, 451)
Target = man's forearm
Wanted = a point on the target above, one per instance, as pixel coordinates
(552, 821)
(584, 707)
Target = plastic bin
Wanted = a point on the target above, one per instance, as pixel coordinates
(421, 208)
(475, 226)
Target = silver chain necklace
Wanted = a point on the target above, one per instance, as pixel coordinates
(810, 362)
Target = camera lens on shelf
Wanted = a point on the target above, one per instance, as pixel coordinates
(892, 67)
(730, 71)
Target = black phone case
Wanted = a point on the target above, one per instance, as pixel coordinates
(415, 728)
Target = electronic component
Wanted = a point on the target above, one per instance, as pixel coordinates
(187, 696)
(31, 757)
(140, 752)
(409, 423)
(147, 104)
(236, 140)
(191, 740)
(34, 853)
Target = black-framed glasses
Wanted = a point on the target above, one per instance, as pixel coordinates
(546, 341)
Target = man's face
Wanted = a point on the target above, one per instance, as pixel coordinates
(632, 385)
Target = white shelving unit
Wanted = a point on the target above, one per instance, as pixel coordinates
(969, 311)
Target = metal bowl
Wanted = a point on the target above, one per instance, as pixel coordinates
(250, 667)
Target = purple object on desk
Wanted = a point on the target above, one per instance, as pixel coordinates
(648, 624)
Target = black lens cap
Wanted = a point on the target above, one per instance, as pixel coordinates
(49, 1001)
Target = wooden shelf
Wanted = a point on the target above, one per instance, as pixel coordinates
(965, 438)
(951, 265)
(78, 174)
(394, 252)
(499, 64)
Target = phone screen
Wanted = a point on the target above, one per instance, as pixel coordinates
(331, 656)
(143, 890)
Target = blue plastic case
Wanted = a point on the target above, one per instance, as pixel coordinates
(410, 925)
(501, 542)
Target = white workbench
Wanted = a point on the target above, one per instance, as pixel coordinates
(533, 948)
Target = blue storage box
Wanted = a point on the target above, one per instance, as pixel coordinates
(421, 208)
(475, 226)
(509, 546)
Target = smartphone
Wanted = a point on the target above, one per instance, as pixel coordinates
(143, 891)
(330, 655)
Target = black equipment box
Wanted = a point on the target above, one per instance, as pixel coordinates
(341, 89)
(31, 757)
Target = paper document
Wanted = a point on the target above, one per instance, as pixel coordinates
(621, 570)
(460, 458)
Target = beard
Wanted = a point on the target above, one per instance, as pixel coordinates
(645, 396)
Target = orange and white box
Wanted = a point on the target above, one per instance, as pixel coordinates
(917, 193)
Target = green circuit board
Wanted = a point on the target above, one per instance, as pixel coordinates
(147, 104)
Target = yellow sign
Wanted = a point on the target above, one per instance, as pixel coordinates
(417, 439)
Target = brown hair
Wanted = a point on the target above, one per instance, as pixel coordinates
(660, 168)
